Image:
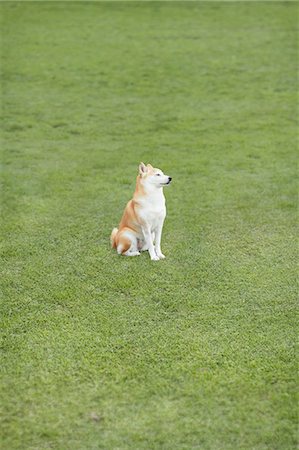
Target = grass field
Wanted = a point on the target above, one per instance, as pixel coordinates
(107, 352)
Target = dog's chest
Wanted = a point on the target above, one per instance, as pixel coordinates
(153, 211)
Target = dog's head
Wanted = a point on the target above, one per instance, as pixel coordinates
(153, 177)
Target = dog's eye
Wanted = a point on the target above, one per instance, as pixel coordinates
(158, 174)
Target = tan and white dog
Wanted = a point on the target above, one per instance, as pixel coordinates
(141, 225)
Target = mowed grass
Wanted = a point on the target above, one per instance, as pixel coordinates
(107, 352)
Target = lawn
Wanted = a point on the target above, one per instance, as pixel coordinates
(107, 352)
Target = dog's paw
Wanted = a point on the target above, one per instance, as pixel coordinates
(155, 258)
(161, 256)
(132, 253)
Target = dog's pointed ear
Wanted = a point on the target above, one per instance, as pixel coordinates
(142, 169)
(150, 167)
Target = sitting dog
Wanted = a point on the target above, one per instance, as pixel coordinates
(141, 225)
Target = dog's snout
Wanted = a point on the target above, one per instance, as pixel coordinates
(169, 179)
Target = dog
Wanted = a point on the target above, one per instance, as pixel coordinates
(142, 222)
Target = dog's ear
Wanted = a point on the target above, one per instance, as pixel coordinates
(142, 169)
(150, 167)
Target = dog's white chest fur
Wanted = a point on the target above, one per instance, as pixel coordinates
(153, 210)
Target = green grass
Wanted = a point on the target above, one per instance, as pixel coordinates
(107, 352)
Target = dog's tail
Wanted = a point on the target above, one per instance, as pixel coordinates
(112, 237)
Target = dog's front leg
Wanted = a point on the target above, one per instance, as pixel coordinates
(149, 242)
(158, 240)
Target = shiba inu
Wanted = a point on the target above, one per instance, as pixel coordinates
(141, 225)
